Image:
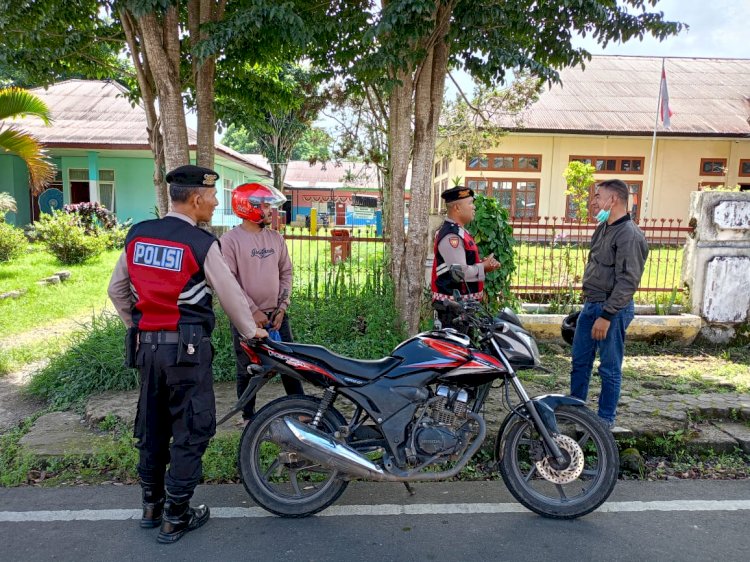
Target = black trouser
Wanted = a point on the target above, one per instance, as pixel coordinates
(291, 385)
(177, 403)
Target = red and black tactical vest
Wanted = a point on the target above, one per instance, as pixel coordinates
(442, 284)
(165, 265)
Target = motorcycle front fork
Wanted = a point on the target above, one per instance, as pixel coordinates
(549, 442)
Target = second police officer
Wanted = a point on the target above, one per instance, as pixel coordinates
(457, 265)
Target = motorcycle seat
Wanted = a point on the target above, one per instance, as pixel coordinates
(360, 368)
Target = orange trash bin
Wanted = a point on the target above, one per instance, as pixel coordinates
(341, 245)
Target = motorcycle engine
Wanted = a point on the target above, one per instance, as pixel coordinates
(436, 429)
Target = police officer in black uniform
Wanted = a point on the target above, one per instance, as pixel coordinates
(162, 289)
(457, 265)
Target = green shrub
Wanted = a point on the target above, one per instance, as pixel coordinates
(7, 205)
(65, 237)
(12, 242)
(493, 233)
(362, 326)
(116, 237)
(94, 362)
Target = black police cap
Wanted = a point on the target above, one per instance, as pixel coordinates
(456, 193)
(192, 176)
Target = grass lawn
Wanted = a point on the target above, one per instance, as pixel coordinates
(314, 269)
(680, 370)
(31, 326)
(84, 291)
(563, 266)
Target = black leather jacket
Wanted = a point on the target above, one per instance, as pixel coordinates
(615, 266)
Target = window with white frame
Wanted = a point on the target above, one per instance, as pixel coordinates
(227, 196)
(107, 189)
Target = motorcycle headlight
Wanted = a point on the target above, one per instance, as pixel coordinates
(531, 344)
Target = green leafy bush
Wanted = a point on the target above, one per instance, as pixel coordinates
(493, 234)
(65, 237)
(12, 242)
(7, 204)
(363, 325)
(116, 237)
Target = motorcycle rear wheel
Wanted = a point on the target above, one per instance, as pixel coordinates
(288, 489)
(515, 450)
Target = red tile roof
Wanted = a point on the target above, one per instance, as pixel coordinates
(299, 173)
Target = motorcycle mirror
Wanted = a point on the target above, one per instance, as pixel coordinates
(457, 273)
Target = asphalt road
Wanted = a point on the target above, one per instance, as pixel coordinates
(675, 520)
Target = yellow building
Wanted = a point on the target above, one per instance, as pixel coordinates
(605, 115)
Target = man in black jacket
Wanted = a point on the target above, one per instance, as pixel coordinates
(612, 275)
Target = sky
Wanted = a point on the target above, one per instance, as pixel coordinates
(717, 28)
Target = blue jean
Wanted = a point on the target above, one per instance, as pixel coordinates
(611, 352)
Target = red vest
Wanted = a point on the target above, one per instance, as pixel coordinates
(442, 283)
(165, 264)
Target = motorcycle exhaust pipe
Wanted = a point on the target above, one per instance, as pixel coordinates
(318, 447)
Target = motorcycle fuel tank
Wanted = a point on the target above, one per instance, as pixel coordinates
(448, 353)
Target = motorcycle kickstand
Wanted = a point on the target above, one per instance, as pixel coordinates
(410, 489)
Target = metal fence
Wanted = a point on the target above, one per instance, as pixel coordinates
(333, 260)
(551, 255)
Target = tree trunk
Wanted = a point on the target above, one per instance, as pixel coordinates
(279, 172)
(399, 155)
(162, 49)
(410, 252)
(201, 12)
(147, 86)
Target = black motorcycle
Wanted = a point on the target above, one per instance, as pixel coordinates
(416, 416)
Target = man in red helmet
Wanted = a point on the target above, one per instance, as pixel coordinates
(259, 259)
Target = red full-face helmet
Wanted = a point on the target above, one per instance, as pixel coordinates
(247, 200)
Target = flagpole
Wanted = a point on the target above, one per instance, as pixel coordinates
(647, 195)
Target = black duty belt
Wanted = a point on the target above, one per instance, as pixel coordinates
(159, 337)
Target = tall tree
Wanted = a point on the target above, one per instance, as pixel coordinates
(409, 45)
(15, 102)
(166, 41)
(314, 145)
(237, 138)
(276, 105)
(163, 37)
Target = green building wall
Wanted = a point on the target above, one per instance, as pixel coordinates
(14, 179)
(134, 187)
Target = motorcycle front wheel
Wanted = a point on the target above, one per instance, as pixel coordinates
(578, 487)
(284, 485)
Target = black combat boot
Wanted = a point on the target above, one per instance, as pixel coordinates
(153, 505)
(179, 518)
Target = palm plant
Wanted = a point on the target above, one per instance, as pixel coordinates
(16, 102)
